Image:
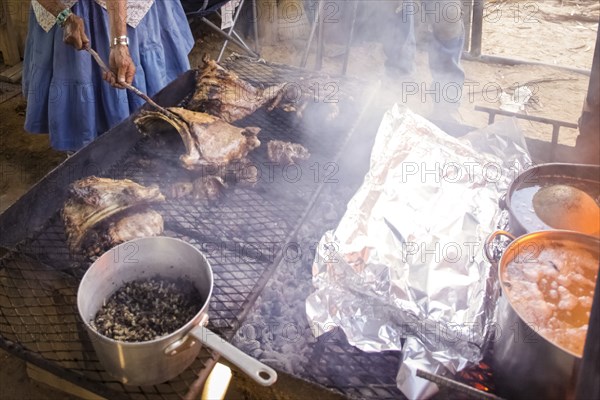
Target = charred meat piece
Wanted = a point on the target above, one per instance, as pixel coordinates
(94, 200)
(180, 189)
(123, 227)
(207, 139)
(299, 96)
(222, 93)
(242, 172)
(207, 188)
(285, 152)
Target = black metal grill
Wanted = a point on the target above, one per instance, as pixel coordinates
(241, 234)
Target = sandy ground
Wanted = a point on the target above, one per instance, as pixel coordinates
(557, 32)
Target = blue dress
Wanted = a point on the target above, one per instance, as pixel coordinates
(66, 96)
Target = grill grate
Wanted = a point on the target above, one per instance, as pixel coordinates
(358, 374)
(241, 235)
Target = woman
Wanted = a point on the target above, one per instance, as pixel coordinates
(145, 42)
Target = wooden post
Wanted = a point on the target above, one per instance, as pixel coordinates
(9, 43)
(588, 141)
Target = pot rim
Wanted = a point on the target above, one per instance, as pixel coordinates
(578, 237)
(183, 330)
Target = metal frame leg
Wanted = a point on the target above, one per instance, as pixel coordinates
(227, 38)
(237, 39)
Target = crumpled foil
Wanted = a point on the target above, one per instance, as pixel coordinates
(406, 262)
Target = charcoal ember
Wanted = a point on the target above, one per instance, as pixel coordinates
(287, 340)
(147, 309)
(256, 353)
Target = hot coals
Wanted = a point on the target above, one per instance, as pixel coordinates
(147, 309)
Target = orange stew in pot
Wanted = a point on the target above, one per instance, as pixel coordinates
(552, 289)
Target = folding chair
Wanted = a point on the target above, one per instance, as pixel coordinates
(203, 8)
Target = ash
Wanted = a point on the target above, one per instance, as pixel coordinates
(147, 309)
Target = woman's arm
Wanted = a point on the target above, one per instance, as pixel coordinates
(120, 61)
(74, 29)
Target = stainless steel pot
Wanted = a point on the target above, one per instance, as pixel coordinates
(156, 361)
(543, 175)
(527, 365)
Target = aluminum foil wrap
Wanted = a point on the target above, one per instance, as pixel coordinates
(406, 260)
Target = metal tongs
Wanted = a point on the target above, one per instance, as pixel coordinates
(135, 90)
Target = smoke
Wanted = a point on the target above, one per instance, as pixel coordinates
(403, 52)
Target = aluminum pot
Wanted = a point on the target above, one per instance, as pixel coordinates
(543, 175)
(527, 365)
(158, 360)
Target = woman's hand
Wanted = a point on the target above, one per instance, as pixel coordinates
(121, 67)
(74, 32)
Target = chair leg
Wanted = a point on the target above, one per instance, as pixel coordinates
(227, 37)
(235, 18)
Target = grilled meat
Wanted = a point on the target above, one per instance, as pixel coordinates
(123, 227)
(207, 139)
(222, 93)
(302, 95)
(207, 188)
(135, 225)
(242, 172)
(180, 189)
(285, 152)
(93, 200)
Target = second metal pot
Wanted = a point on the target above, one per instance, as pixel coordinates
(156, 361)
(544, 175)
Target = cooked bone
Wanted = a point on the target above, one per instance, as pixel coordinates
(222, 93)
(207, 139)
(92, 200)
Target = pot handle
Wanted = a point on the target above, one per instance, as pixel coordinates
(488, 243)
(502, 202)
(258, 371)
